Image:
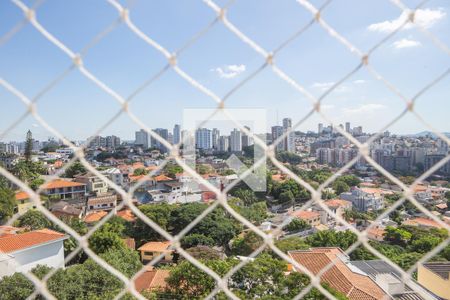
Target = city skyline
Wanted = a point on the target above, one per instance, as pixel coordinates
(314, 59)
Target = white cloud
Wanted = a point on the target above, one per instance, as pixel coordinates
(35, 125)
(359, 81)
(363, 109)
(406, 43)
(324, 86)
(423, 17)
(229, 71)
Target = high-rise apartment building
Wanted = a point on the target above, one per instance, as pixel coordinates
(176, 134)
(215, 134)
(347, 127)
(246, 139)
(224, 143)
(203, 138)
(164, 133)
(235, 140)
(277, 131)
(141, 138)
(320, 129)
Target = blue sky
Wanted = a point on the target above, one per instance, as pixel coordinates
(219, 60)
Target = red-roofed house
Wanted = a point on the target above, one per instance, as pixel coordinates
(354, 285)
(151, 280)
(151, 250)
(311, 217)
(422, 222)
(64, 189)
(24, 251)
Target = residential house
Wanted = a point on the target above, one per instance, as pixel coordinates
(353, 284)
(94, 217)
(22, 252)
(389, 279)
(435, 277)
(365, 199)
(151, 280)
(101, 202)
(93, 183)
(310, 217)
(65, 209)
(151, 250)
(61, 189)
(116, 176)
(422, 222)
(23, 202)
(338, 207)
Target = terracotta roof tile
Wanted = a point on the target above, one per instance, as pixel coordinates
(22, 196)
(60, 183)
(337, 203)
(340, 277)
(151, 280)
(12, 243)
(162, 178)
(155, 246)
(127, 215)
(305, 215)
(95, 217)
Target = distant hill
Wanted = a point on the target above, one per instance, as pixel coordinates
(427, 133)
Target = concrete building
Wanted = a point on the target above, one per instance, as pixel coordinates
(162, 132)
(435, 278)
(112, 142)
(235, 141)
(63, 189)
(93, 183)
(364, 201)
(21, 252)
(224, 143)
(176, 134)
(277, 131)
(151, 250)
(141, 138)
(215, 134)
(203, 139)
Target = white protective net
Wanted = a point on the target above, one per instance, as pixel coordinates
(30, 14)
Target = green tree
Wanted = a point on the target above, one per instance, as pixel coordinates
(286, 198)
(292, 243)
(246, 243)
(246, 195)
(7, 201)
(265, 277)
(397, 236)
(188, 282)
(85, 281)
(158, 213)
(102, 241)
(425, 243)
(140, 171)
(75, 169)
(331, 238)
(33, 219)
(123, 259)
(18, 287)
(340, 187)
(297, 225)
(196, 239)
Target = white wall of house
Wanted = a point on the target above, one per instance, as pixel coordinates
(50, 254)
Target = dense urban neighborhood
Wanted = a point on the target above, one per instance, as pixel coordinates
(305, 229)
